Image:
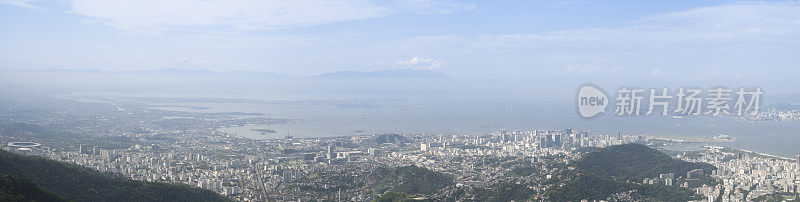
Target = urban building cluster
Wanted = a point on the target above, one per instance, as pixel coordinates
(179, 147)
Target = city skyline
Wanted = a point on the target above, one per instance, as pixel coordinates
(399, 100)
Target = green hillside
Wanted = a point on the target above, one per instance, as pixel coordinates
(589, 186)
(616, 173)
(13, 188)
(83, 184)
(415, 180)
(635, 162)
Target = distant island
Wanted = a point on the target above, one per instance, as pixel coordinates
(183, 106)
(264, 130)
(724, 138)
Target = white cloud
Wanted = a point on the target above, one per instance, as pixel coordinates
(742, 22)
(656, 72)
(739, 35)
(28, 4)
(420, 63)
(753, 20)
(159, 15)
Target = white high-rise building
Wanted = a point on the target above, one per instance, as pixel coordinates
(329, 155)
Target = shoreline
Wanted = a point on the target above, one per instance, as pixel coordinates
(763, 154)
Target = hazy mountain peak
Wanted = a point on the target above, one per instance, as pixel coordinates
(385, 74)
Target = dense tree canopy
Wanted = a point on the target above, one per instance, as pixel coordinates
(83, 184)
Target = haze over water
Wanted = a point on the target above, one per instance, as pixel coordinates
(341, 115)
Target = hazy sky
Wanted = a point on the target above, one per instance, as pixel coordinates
(465, 39)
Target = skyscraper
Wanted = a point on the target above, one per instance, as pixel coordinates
(329, 154)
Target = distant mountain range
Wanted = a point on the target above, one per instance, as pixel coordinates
(170, 71)
(381, 74)
(385, 74)
(79, 183)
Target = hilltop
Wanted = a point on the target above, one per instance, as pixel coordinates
(83, 184)
(617, 172)
(634, 162)
(414, 180)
